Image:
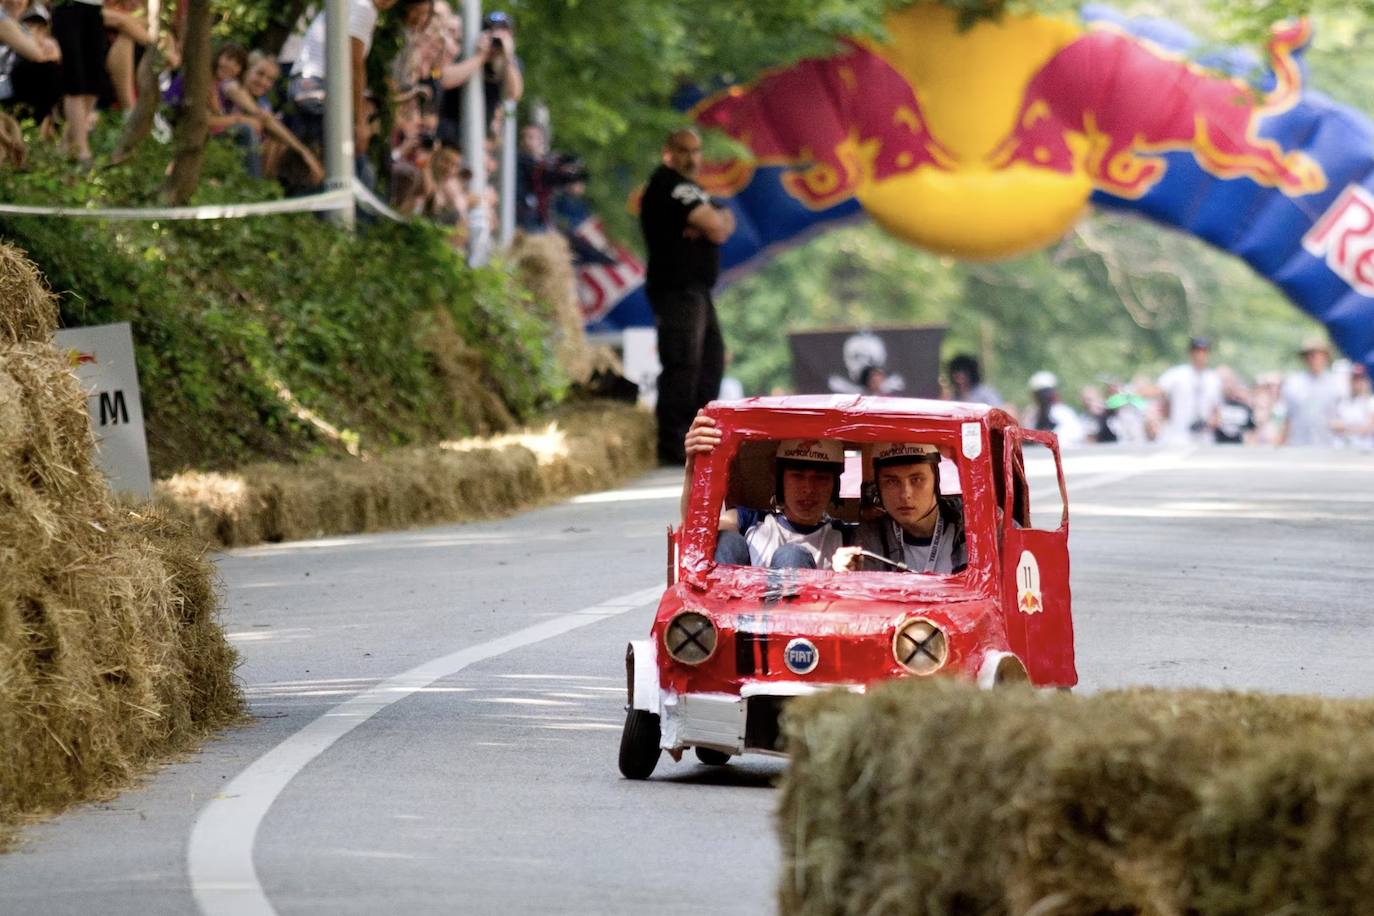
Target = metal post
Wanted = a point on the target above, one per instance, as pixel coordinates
(338, 112)
(508, 170)
(474, 140)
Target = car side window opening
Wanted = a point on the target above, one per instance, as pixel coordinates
(1037, 470)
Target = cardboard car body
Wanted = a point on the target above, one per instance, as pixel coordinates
(730, 644)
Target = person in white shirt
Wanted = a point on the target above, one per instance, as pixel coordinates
(1192, 396)
(1354, 421)
(308, 72)
(1310, 398)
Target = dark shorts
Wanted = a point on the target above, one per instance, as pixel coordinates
(80, 32)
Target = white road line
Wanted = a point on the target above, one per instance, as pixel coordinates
(220, 856)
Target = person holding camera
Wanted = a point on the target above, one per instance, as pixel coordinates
(1191, 397)
(683, 231)
(502, 78)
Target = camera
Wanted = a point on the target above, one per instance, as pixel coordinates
(494, 21)
(558, 170)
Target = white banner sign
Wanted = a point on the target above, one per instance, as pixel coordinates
(103, 359)
(641, 362)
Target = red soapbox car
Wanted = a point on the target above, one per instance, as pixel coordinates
(731, 644)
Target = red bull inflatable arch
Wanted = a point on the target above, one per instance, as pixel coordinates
(994, 141)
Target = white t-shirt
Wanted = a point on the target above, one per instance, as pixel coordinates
(1310, 405)
(766, 532)
(1194, 395)
(1357, 414)
(362, 22)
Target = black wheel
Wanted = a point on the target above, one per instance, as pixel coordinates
(712, 757)
(639, 744)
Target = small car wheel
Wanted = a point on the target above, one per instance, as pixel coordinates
(639, 748)
(712, 757)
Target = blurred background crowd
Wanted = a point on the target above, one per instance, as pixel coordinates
(1324, 403)
(63, 66)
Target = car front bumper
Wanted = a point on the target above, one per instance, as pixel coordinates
(734, 723)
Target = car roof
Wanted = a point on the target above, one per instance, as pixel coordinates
(852, 407)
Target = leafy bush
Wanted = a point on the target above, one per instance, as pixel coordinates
(275, 337)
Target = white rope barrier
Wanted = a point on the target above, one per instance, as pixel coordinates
(312, 203)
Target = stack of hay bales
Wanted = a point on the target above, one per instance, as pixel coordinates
(110, 651)
(543, 262)
(585, 448)
(938, 798)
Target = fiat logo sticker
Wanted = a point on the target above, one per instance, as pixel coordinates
(801, 656)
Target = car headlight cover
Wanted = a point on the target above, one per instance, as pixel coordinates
(690, 638)
(920, 646)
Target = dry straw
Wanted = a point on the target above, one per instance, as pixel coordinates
(938, 798)
(110, 651)
(584, 448)
(543, 262)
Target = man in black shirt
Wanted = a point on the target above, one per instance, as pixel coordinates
(683, 231)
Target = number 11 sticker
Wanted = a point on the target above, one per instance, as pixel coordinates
(1028, 600)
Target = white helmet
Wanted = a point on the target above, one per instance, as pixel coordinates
(815, 451)
(1043, 381)
(905, 453)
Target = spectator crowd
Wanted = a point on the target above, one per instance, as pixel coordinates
(61, 67)
(1193, 403)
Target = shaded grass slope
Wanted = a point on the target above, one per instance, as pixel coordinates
(279, 338)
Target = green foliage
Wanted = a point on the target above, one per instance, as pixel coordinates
(232, 318)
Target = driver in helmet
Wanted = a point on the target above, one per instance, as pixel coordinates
(798, 532)
(919, 528)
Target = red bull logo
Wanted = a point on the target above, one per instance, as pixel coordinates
(838, 123)
(1155, 102)
(989, 141)
(1344, 238)
(77, 358)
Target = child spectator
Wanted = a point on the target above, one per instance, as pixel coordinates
(448, 202)
(264, 137)
(35, 86)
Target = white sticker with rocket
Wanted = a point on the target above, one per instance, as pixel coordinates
(973, 440)
(1028, 600)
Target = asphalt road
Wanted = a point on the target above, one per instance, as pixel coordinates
(438, 712)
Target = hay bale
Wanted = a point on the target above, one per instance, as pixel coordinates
(28, 311)
(590, 447)
(938, 798)
(110, 651)
(543, 264)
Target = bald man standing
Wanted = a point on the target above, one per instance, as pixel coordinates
(683, 231)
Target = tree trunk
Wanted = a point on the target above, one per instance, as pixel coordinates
(140, 123)
(193, 125)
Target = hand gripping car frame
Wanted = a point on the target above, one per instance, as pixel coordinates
(731, 644)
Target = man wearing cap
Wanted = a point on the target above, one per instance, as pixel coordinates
(1050, 414)
(1192, 396)
(1310, 398)
(920, 528)
(798, 533)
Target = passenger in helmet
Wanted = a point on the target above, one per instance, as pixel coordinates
(798, 532)
(918, 528)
